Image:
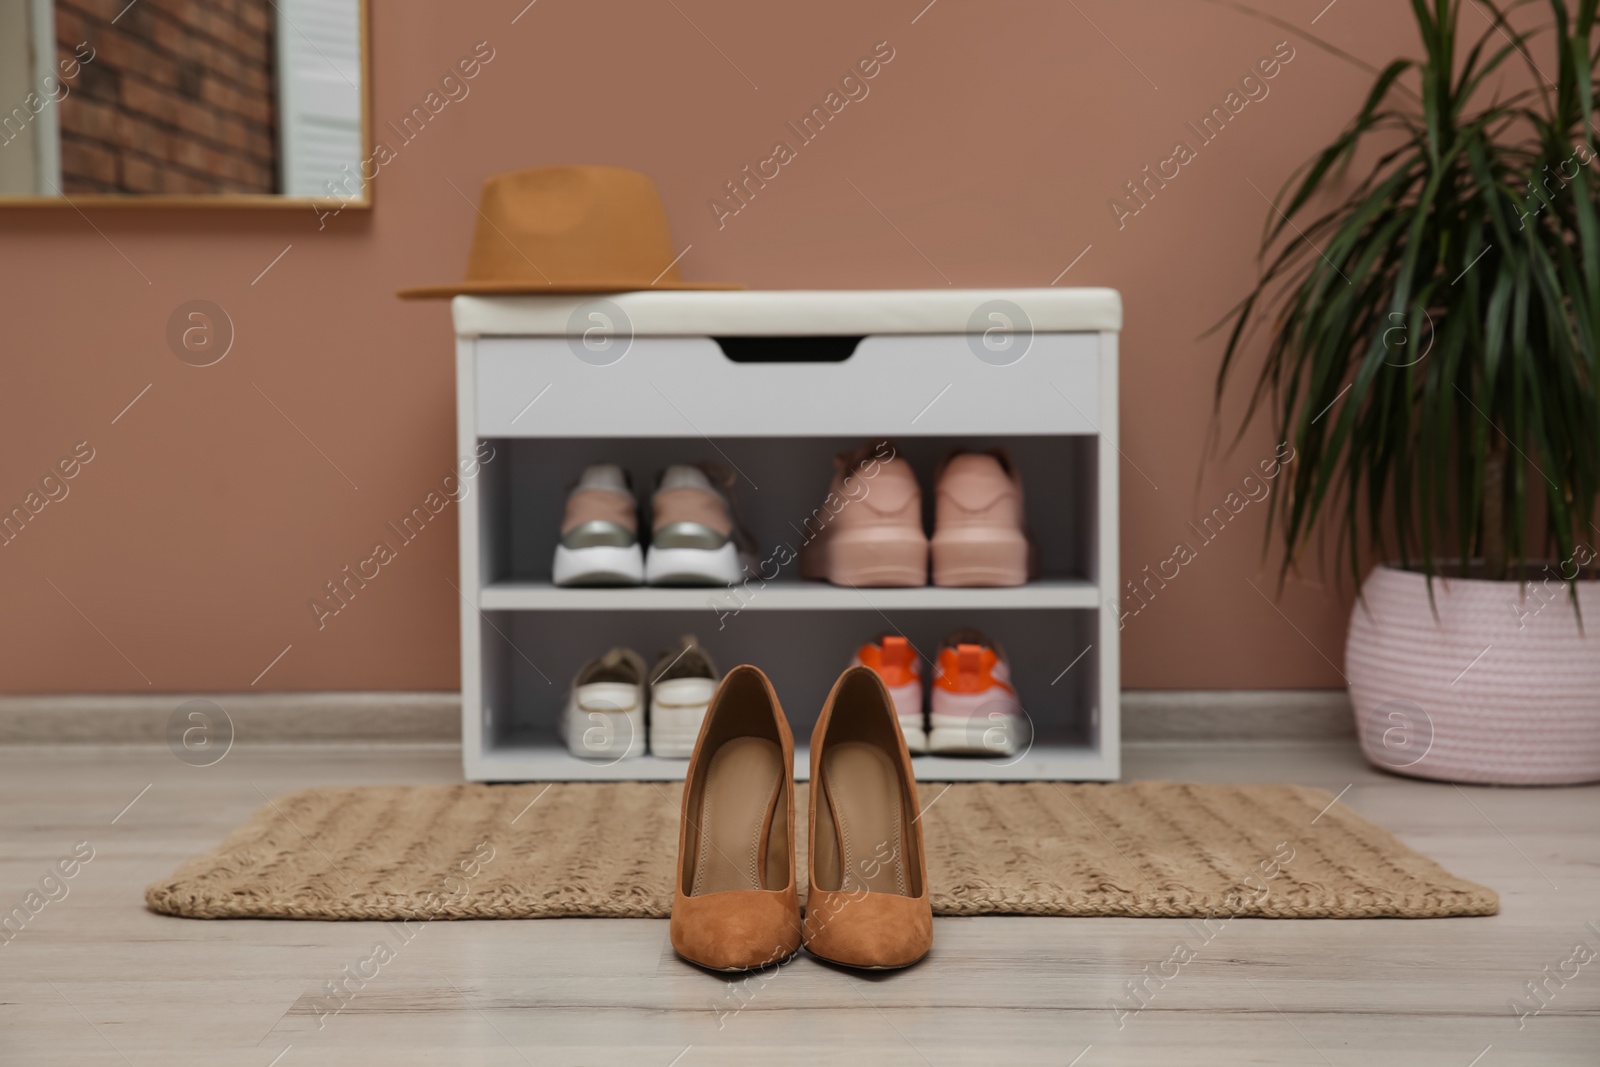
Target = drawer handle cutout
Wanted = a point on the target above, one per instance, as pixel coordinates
(825, 349)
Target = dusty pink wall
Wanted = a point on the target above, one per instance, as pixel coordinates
(994, 140)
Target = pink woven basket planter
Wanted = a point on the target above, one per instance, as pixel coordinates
(1501, 687)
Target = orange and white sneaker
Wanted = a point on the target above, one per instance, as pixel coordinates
(974, 709)
(868, 530)
(894, 660)
(978, 534)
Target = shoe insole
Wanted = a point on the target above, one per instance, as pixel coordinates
(737, 807)
(864, 795)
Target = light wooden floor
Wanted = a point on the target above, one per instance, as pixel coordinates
(95, 979)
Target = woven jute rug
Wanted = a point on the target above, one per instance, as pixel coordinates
(609, 849)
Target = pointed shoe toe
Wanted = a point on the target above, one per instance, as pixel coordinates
(871, 931)
(736, 931)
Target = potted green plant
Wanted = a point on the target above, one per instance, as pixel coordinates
(1434, 328)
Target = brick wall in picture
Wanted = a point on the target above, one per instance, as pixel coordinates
(179, 97)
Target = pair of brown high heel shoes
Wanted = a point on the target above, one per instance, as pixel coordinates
(735, 907)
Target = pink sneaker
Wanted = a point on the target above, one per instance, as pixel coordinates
(868, 530)
(978, 534)
(896, 662)
(974, 709)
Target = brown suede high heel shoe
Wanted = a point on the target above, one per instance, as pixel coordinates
(868, 905)
(735, 906)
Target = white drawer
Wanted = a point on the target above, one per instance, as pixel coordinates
(928, 384)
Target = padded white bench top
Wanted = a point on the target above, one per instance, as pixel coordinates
(793, 312)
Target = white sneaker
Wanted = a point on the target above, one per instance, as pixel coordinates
(692, 533)
(681, 687)
(600, 532)
(604, 718)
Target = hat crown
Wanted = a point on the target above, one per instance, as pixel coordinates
(568, 229)
(571, 224)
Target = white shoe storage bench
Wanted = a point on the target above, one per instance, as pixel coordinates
(768, 386)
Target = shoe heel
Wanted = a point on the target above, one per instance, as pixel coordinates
(677, 709)
(692, 566)
(916, 735)
(605, 734)
(598, 565)
(986, 559)
(875, 561)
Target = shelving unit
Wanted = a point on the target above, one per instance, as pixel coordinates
(769, 386)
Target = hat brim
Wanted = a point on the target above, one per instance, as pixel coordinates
(441, 292)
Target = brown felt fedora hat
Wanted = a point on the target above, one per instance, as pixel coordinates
(582, 229)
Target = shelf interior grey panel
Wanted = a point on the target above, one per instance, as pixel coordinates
(777, 485)
(532, 657)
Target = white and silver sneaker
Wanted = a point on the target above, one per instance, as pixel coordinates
(681, 687)
(600, 531)
(692, 531)
(604, 718)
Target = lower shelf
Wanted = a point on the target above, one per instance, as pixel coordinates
(549, 761)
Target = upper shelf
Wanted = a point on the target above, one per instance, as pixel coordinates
(768, 313)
